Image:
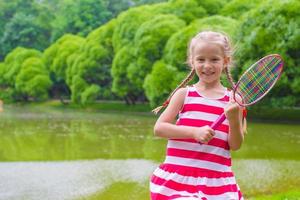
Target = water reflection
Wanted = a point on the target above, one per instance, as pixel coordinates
(68, 179)
(87, 152)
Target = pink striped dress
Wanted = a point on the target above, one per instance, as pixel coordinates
(192, 170)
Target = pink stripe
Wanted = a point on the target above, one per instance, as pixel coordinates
(213, 142)
(202, 108)
(198, 156)
(240, 194)
(157, 196)
(200, 123)
(194, 171)
(209, 190)
(193, 94)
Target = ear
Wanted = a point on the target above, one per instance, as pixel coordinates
(226, 60)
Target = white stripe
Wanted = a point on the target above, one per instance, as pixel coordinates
(169, 192)
(154, 188)
(204, 101)
(221, 135)
(189, 180)
(201, 116)
(197, 163)
(199, 148)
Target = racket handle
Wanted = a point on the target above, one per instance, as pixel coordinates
(218, 121)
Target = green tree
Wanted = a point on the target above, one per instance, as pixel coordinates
(127, 24)
(188, 10)
(120, 86)
(150, 40)
(56, 60)
(33, 81)
(21, 73)
(237, 8)
(273, 27)
(92, 65)
(22, 30)
(160, 82)
(79, 17)
(24, 23)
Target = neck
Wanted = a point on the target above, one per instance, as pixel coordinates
(212, 85)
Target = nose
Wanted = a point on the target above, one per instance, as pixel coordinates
(206, 65)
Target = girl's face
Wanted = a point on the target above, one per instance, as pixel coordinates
(208, 60)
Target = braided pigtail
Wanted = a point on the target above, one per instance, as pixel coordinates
(188, 78)
(229, 77)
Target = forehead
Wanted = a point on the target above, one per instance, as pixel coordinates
(208, 48)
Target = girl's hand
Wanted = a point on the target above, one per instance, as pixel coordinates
(203, 134)
(232, 110)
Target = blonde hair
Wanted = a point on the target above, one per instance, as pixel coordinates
(222, 40)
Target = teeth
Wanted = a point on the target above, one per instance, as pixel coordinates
(207, 73)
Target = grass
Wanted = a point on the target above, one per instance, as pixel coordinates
(124, 191)
(135, 191)
(290, 195)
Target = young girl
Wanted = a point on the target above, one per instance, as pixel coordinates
(198, 161)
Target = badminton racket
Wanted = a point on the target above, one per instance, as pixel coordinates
(255, 83)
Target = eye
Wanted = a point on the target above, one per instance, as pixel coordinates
(215, 59)
(201, 59)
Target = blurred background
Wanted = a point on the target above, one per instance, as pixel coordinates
(79, 78)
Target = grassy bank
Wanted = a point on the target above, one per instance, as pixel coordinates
(129, 191)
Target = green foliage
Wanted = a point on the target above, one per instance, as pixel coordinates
(213, 7)
(127, 24)
(121, 62)
(56, 56)
(92, 64)
(124, 56)
(188, 10)
(80, 16)
(33, 80)
(160, 82)
(24, 24)
(274, 27)
(13, 62)
(90, 94)
(56, 60)
(237, 8)
(36, 24)
(24, 76)
(150, 40)
(78, 85)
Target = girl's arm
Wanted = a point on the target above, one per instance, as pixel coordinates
(165, 127)
(234, 114)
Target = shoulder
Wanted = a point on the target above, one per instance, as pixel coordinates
(177, 100)
(180, 94)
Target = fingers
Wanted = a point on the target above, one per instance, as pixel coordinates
(208, 134)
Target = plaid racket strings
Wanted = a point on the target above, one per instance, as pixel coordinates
(259, 79)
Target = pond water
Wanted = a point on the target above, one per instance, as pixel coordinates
(65, 154)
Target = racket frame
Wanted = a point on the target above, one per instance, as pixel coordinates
(265, 93)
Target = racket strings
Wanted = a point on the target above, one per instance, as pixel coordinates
(257, 81)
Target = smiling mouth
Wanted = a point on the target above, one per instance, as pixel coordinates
(207, 73)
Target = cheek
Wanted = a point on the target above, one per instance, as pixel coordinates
(220, 68)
